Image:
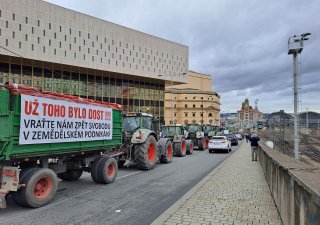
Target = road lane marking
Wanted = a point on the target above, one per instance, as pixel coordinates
(62, 200)
(128, 175)
(45, 207)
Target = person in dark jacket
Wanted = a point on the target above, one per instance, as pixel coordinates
(254, 139)
(248, 136)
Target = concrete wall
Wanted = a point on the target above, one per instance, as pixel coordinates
(39, 30)
(294, 185)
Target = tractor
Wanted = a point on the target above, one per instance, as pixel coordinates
(142, 145)
(209, 132)
(177, 134)
(196, 135)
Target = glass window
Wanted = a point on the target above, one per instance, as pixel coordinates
(106, 88)
(91, 87)
(4, 72)
(15, 73)
(74, 84)
(98, 87)
(57, 81)
(66, 82)
(37, 77)
(47, 80)
(27, 75)
(83, 85)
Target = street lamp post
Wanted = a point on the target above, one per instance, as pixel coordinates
(295, 47)
(171, 93)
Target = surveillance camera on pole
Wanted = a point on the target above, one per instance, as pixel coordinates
(295, 47)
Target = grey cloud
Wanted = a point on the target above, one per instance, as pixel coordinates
(241, 43)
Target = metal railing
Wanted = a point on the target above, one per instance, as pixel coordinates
(281, 133)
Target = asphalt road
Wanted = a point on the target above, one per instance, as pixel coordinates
(135, 198)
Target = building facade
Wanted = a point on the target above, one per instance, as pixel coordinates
(194, 102)
(248, 116)
(57, 49)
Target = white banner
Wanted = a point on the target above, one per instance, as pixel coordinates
(46, 120)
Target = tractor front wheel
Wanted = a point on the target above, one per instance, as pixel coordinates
(145, 154)
(180, 148)
(167, 158)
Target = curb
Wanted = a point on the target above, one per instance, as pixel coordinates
(170, 211)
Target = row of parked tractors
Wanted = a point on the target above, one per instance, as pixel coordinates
(143, 142)
(32, 159)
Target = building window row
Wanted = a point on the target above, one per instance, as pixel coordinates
(133, 95)
(163, 57)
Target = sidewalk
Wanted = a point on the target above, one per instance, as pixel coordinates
(234, 193)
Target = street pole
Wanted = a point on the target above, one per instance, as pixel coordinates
(171, 102)
(295, 103)
(307, 122)
(295, 47)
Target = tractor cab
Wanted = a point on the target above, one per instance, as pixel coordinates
(172, 130)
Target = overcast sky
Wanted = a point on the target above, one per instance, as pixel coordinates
(242, 44)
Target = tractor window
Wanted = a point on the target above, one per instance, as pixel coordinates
(168, 131)
(193, 128)
(130, 124)
(146, 123)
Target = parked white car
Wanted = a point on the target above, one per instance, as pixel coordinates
(219, 143)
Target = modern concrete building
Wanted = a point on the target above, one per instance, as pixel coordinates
(194, 102)
(57, 49)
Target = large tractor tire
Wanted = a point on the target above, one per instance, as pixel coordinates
(70, 175)
(15, 196)
(201, 143)
(94, 169)
(145, 154)
(41, 186)
(107, 171)
(180, 148)
(189, 147)
(167, 158)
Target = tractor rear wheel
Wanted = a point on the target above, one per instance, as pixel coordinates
(180, 148)
(145, 154)
(167, 158)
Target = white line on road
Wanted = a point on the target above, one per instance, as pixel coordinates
(128, 175)
(62, 200)
(45, 207)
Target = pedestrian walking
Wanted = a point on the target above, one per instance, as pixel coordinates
(248, 135)
(254, 146)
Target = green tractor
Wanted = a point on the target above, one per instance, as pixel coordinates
(141, 142)
(196, 135)
(177, 135)
(209, 132)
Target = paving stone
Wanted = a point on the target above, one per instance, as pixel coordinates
(237, 194)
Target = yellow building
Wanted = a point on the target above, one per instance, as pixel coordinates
(194, 102)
